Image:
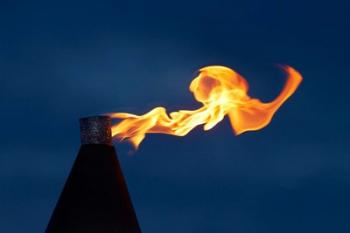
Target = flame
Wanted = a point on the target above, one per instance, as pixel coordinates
(222, 92)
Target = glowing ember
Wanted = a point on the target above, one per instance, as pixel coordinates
(222, 92)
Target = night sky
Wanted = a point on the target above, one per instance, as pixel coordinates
(62, 60)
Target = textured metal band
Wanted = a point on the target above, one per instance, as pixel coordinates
(96, 130)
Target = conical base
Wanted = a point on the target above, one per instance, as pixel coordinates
(95, 198)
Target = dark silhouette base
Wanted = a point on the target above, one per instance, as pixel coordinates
(95, 198)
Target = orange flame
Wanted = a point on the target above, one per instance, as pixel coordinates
(222, 92)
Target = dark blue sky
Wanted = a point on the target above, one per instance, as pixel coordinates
(61, 60)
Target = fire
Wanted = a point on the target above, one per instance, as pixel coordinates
(222, 92)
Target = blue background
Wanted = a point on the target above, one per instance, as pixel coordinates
(61, 60)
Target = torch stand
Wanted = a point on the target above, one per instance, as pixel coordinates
(95, 198)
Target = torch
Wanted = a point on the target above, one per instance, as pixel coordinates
(95, 198)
